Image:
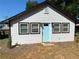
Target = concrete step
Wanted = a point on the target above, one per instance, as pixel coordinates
(48, 44)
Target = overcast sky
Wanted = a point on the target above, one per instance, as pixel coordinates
(9, 8)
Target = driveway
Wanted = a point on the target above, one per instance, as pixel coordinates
(68, 50)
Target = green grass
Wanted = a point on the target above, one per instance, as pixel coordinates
(4, 42)
(77, 33)
(77, 37)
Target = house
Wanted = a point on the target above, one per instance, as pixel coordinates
(4, 30)
(41, 24)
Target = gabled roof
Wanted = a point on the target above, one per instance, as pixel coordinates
(39, 7)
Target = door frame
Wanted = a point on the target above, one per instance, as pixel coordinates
(42, 32)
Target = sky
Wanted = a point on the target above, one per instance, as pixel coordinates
(9, 8)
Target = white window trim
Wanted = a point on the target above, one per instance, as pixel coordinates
(38, 29)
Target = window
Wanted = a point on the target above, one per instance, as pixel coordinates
(23, 28)
(56, 27)
(46, 24)
(35, 28)
(60, 27)
(65, 27)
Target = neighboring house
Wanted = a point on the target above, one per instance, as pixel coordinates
(4, 29)
(43, 23)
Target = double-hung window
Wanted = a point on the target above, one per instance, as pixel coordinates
(23, 28)
(60, 27)
(35, 28)
(56, 27)
(65, 27)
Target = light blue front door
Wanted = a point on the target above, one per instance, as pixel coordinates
(45, 33)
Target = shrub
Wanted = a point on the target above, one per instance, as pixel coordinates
(4, 36)
(77, 38)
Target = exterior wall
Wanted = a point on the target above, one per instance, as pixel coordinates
(23, 39)
(63, 37)
(43, 18)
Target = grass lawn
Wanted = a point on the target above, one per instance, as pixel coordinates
(4, 42)
(77, 37)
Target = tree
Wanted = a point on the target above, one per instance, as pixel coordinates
(30, 4)
(71, 7)
(68, 6)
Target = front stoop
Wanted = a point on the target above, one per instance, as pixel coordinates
(48, 44)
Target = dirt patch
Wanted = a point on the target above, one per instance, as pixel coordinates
(38, 51)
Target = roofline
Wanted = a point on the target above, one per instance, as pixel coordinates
(43, 3)
(63, 13)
